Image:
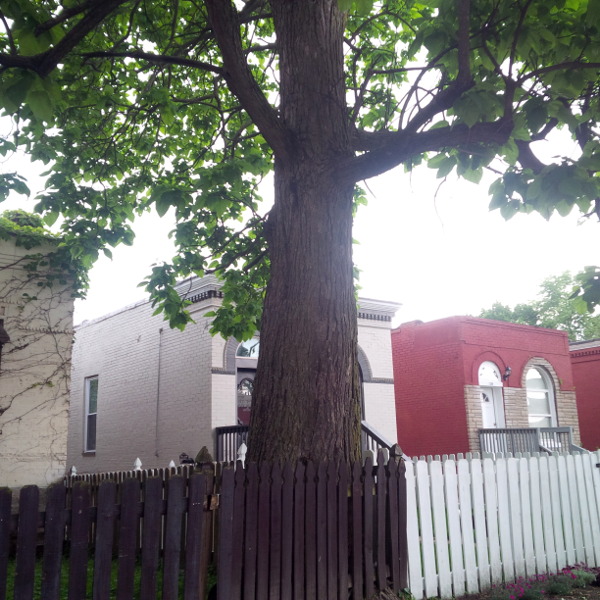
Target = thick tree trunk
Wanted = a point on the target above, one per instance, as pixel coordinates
(306, 395)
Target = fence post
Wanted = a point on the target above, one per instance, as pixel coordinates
(26, 541)
(225, 534)
(5, 510)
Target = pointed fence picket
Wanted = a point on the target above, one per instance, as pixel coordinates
(475, 522)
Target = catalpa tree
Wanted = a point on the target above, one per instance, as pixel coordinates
(187, 104)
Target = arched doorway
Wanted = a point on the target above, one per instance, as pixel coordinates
(492, 399)
(246, 357)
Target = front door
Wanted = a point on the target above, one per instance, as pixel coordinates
(492, 398)
(492, 407)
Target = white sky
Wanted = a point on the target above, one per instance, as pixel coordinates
(438, 254)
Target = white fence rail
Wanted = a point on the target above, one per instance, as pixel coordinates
(473, 522)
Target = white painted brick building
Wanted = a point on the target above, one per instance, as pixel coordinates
(36, 334)
(158, 392)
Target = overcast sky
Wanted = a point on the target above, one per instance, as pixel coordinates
(438, 252)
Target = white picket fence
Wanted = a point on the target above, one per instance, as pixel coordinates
(474, 523)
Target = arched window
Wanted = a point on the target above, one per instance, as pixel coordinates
(248, 349)
(541, 405)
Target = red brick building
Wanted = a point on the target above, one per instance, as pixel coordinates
(456, 376)
(585, 358)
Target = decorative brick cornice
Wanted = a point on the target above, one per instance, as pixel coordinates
(373, 316)
(205, 296)
(588, 352)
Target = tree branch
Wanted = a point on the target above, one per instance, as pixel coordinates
(98, 12)
(464, 58)
(386, 150)
(224, 21)
(64, 15)
(464, 81)
(44, 63)
(9, 36)
(513, 48)
(157, 59)
(527, 158)
(572, 64)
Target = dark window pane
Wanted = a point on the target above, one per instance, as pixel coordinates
(90, 440)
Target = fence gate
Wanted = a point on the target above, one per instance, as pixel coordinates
(311, 530)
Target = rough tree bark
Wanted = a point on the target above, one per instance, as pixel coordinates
(311, 293)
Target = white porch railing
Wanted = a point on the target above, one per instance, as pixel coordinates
(528, 439)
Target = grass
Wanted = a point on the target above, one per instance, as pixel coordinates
(64, 580)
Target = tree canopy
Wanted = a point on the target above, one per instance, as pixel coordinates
(555, 308)
(186, 106)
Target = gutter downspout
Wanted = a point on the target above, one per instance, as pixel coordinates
(156, 417)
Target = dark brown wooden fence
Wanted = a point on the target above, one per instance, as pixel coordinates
(291, 532)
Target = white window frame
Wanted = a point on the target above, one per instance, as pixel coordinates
(90, 416)
(549, 390)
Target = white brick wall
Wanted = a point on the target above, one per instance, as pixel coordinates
(143, 411)
(34, 376)
(374, 339)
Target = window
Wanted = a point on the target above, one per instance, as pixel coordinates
(540, 398)
(248, 349)
(91, 413)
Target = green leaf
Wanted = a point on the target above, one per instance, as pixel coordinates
(364, 7)
(443, 163)
(509, 210)
(510, 151)
(50, 218)
(473, 175)
(592, 15)
(40, 104)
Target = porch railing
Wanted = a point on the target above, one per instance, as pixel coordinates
(230, 438)
(527, 440)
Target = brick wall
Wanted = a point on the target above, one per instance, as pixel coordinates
(585, 358)
(154, 389)
(429, 384)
